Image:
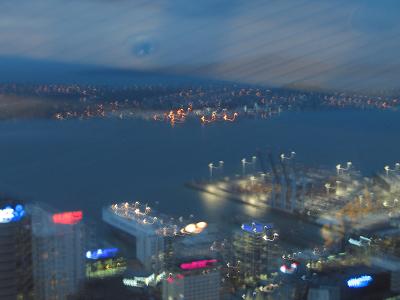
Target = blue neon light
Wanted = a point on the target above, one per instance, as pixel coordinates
(256, 227)
(268, 226)
(359, 282)
(9, 214)
(102, 253)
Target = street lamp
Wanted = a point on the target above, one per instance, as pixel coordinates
(328, 187)
(253, 162)
(210, 167)
(387, 169)
(221, 166)
(339, 167)
(396, 168)
(244, 162)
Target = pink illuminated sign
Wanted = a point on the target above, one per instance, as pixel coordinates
(171, 279)
(69, 218)
(199, 264)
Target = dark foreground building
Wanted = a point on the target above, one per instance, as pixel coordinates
(16, 277)
(348, 283)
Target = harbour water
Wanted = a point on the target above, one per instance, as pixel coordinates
(88, 164)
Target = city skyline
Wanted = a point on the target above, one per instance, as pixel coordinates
(212, 150)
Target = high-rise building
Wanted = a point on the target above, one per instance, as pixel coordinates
(194, 280)
(153, 234)
(16, 277)
(253, 252)
(391, 264)
(143, 227)
(58, 252)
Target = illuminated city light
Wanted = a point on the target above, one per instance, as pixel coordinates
(102, 253)
(359, 282)
(160, 277)
(9, 214)
(139, 281)
(289, 270)
(201, 225)
(134, 212)
(190, 228)
(6, 215)
(218, 117)
(339, 167)
(200, 264)
(171, 279)
(271, 239)
(174, 116)
(68, 218)
(230, 119)
(194, 228)
(256, 227)
(268, 288)
(143, 215)
(362, 242)
(204, 120)
(355, 242)
(105, 268)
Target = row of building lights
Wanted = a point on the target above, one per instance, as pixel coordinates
(132, 211)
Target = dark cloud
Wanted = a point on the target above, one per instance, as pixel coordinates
(377, 17)
(204, 8)
(144, 48)
(315, 42)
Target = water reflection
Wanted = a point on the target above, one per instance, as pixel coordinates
(213, 202)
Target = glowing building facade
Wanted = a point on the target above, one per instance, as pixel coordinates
(16, 276)
(193, 280)
(58, 253)
(102, 263)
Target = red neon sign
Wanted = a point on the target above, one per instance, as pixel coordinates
(198, 264)
(68, 218)
(171, 279)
